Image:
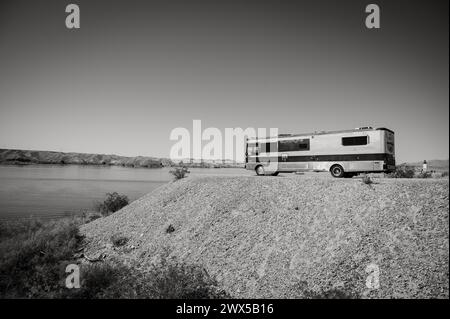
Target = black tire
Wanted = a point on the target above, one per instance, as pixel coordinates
(260, 170)
(275, 174)
(337, 171)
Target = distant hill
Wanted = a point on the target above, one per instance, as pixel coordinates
(24, 157)
(8, 156)
(439, 165)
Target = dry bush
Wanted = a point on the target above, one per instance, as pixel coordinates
(346, 292)
(170, 229)
(112, 203)
(171, 279)
(179, 172)
(367, 180)
(118, 240)
(402, 171)
(424, 175)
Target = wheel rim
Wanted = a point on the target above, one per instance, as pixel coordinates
(337, 171)
(260, 170)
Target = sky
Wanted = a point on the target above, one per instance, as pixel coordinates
(136, 70)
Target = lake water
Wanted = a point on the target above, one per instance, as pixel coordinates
(49, 191)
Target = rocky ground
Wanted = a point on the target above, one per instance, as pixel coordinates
(292, 236)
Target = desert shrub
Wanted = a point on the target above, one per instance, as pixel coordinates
(367, 180)
(112, 203)
(33, 260)
(105, 280)
(166, 280)
(333, 293)
(95, 279)
(170, 229)
(424, 175)
(88, 216)
(179, 172)
(171, 279)
(403, 171)
(11, 228)
(118, 240)
(304, 292)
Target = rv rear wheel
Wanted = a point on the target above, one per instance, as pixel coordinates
(260, 170)
(337, 171)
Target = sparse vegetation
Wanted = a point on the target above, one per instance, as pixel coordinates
(179, 172)
(112, 203)
(118, 240)
(34, 256)
(424, 175)
(166, 280)
(402, 171)
(171, 279)
(170, 229)
(10, 228)
(102, 280)
(88, 216)
(367, 180)
(331, 293)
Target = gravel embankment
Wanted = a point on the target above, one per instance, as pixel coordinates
(277, 237)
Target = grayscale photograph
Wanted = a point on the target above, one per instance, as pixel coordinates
(230, 152)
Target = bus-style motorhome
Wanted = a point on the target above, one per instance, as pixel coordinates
(343, 153)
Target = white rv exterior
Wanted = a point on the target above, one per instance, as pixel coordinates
(343, 153)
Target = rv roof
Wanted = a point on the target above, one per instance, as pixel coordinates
(325, 132)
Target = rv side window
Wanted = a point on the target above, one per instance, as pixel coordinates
(354, 140)
(294, 145)
(268, 147)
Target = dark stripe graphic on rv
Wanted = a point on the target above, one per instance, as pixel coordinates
(330, 158)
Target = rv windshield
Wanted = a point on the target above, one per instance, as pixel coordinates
(252, 150)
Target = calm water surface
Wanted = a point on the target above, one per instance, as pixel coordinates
(48, 191)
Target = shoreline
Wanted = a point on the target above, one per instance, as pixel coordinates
(19, 164)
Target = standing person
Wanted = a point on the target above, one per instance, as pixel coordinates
(424, 166)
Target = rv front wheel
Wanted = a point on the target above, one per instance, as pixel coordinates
(337, 171)
(260, 171)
